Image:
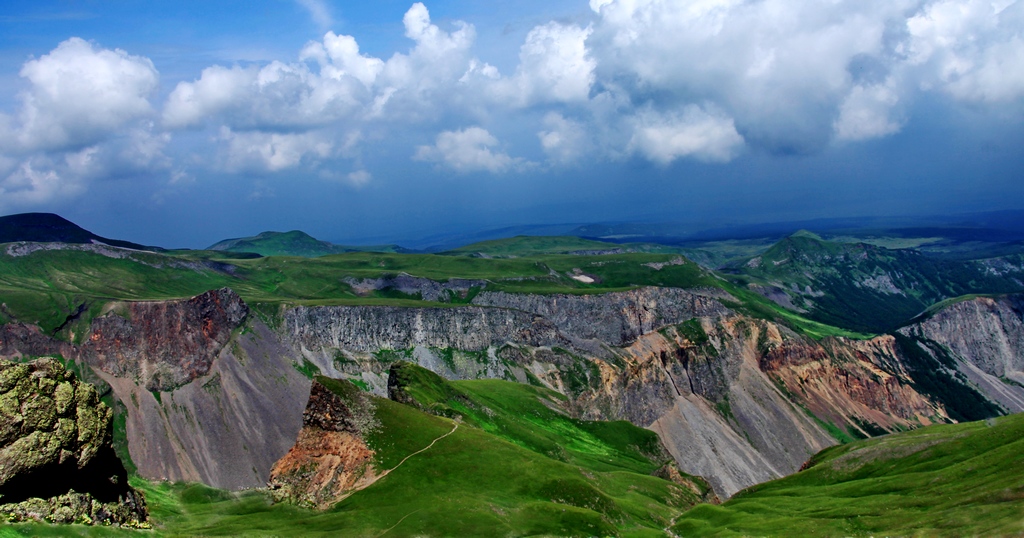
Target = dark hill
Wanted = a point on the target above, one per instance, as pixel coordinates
(50, 228)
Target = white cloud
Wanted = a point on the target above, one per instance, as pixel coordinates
(29, 185)
(84, 115)
(467, 150)
(272, 152)
(554, 66)
(971, 48)
(359, 177)
(694, 132)
(867, 112)
(79, 94)
(564, 141)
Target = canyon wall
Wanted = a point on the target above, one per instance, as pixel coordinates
(216, 395)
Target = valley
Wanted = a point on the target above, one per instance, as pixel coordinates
(537, 386)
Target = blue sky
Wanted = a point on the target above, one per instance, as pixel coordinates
(183, 123)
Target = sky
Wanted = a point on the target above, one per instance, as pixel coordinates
(182, 123)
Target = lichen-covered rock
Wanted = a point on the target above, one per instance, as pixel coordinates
(56, 460)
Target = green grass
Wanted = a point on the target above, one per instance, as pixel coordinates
(948, 480)
(518, 413)
(524, 245)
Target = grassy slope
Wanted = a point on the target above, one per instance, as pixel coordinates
(474, 482)
(951, 480)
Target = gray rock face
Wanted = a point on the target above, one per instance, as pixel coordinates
(614, 319)
(987, 337)
(722, 391)
(226, 428)
(428, 290)
(372, 328)
(988, 333)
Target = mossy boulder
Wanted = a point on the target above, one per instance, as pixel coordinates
(56, 459)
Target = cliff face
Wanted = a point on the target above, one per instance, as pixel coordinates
(614, 319)
(56, 460)
(226, 428)
(198, 409)
(330, 457)
(165, 344)
(215, 396)
(986, 338)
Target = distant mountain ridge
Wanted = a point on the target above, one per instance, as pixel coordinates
(866, 287)
(293, 243)
(51, 228)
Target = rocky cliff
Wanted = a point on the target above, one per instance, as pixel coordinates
(985, 337)
(330, 457)
(56, 459)
(165, 344)
(616, 318)
(214, 395)
(198, 409)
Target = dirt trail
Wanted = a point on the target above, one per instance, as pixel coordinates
(424, 449)
(385, 473)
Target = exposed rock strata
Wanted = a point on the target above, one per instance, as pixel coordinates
(165, 344)
(226, 428)
(986, 336)
(616, 318)
(372, 328)
(330, 457)
(729, 395)
(56, 459)
(428, 290)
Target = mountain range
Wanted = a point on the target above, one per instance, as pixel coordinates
(533, 385)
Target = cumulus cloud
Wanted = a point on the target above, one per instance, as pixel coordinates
(972, 49)
(564, 141)
(272, 152)
(867, 112)
(554, 66)
(660, 80)
(84, 114)
(79, 94)
(694, 132)
(467, 150)
(794, 75)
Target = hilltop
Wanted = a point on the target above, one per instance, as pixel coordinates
(293, 243)
(50, 228)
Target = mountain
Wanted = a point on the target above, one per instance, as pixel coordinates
(865, 287)
(293, 243)
(511, 388)
(50, 228)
